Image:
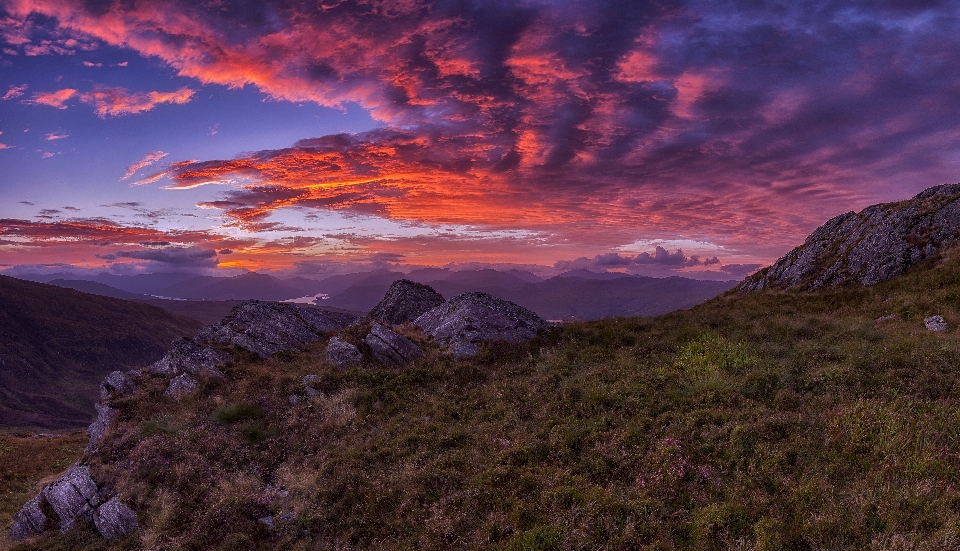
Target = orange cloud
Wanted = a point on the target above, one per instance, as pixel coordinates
(52, 99)
(115, 102)
(14, 92)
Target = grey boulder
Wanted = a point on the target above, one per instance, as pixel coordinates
(390, 348)
(29, 520)
(113, 519)
(404, 302)
(935, 323)
(73, 495)
(466, 320)
(343, 354)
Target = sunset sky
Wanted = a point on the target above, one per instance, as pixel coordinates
(698, 138)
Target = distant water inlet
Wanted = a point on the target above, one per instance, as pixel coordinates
(309, 299)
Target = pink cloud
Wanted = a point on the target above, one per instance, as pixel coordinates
(52, 99)
(115, 102)
(55, 136)
(14, 92)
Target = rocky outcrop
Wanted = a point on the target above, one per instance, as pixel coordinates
(72, 497)
(404, 302)
(117, 385)
(268, 327)
(389, 348)
(260, 327)
(105, 416)
(343, 354)
(466, 320)
(180, 385)
(868, 247)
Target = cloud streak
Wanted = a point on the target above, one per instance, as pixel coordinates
(148, 160)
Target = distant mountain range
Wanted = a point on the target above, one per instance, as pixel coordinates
(56, 344)
(576, 294)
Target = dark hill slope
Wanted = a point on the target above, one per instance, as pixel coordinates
(870, 246)
(57, 344)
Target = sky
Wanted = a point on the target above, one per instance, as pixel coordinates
(695, 138)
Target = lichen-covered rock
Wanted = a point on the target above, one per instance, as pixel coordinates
(181, 385)
(29, 520)
(935, 323)
(389, 348)
(190, 356)
(404, 302)
(874, 245)
(343, 354)
(116, 385)
(105, 416)
(468, 319)
(269, 327)
(113, 519)
(73, 495)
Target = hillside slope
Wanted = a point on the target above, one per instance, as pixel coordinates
(870, 246)
(56, 345)
(824, 419)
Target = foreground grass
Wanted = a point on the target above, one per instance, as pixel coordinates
(26, 461)
(763, 421)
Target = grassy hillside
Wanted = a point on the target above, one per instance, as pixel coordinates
(764, 421)
(56, 345)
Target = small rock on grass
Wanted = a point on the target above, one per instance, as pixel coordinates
(935, 323)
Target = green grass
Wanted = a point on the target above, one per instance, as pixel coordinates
(764, 421)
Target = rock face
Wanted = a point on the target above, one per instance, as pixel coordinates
(873, 245)
(468, 319)
(343, 354)
(260, 327)
(105, 416)
(74, 496)
(268, 327)
(117, 384)
(181, 385)
(404, 302)
(390, 348)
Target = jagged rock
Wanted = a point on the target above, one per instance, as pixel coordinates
(116, 385)
(294, 399)
(190, 356)
(310, 379)
(180, 385)
(29, 520)
(73, 495)
(113, 519)
(390, 348)
(343, 354)
(105, 416)
(935, 323)
(311, 392)
(268, 327)
(470, 318)
(404, 302)
(874, 245)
